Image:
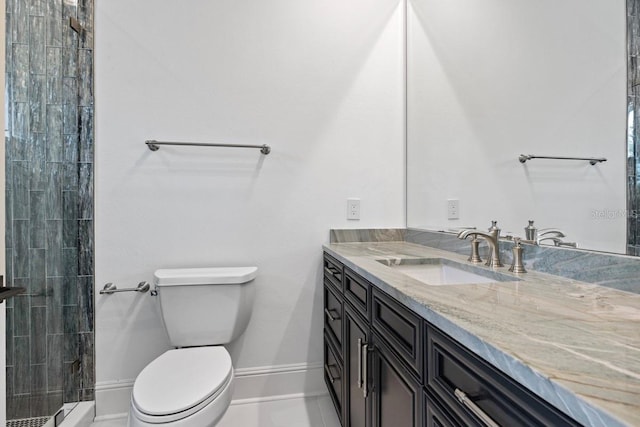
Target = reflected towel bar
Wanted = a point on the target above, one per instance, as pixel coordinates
(593, 160)
(110, 288)
(155, 145)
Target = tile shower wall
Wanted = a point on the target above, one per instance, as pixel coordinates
(49, 155)
(633, 126)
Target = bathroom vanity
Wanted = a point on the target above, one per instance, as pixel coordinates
(491, 349)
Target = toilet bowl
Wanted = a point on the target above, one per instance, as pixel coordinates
(192, 385)
(183, 387)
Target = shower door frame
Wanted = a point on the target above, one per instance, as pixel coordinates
(3, 358)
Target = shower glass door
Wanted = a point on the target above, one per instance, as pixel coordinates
(49, 207)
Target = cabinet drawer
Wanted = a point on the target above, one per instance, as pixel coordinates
(400, 328)
(436, 415)
(357, 291)
(333, 314)
(454, 374)
(333, 271)
(333, 375)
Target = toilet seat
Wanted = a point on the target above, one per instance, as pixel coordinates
(180, 383)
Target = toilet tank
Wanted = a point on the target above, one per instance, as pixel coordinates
(205, 306)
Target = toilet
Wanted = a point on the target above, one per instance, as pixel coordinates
(191, 385)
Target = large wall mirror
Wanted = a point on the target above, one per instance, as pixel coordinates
(490, 80)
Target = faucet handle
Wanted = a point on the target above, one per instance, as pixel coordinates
(530, 231)
(475, 255)
(517, 266)
(494, 229)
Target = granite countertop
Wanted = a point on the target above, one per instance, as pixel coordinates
(576, 345)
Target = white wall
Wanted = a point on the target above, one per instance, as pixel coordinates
(319, 81)
(493, 79)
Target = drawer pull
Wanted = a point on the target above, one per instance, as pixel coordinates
(327, 369)
(464, 399)
(359, 362)
(332, 271)
(331, 314)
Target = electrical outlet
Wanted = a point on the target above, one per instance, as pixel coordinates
(353, 209)
(453, 209)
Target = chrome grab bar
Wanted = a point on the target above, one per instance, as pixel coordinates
(593, 160)
(110, 288)
(464, 399)
(155, 145)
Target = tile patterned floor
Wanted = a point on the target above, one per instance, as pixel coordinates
(307, 412)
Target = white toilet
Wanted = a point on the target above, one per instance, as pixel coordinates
(202, 309)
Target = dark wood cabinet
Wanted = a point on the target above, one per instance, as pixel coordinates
(437, 415)
(333, 315)
(397, 394)
(399, 327)
(380, 389)
(333, 271)
(334, 376)
(387, 367)
(357, 357)
(478, 393)
(358, 292)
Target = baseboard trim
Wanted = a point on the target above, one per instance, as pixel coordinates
(278, 397)
(252, 385)
(112, 398)
(111, 417)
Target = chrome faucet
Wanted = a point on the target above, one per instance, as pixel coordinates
(548, 233)
(492, 241)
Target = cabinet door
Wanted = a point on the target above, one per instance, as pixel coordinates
(397, 394)
(356, 342)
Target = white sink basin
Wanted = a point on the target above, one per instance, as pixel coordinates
(441, 271)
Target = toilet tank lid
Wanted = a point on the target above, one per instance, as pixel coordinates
(204, 276)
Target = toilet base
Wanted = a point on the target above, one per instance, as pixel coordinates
(206, 417)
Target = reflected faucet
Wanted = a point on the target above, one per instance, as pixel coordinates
(557, 241)
(548, 233)
(492, 241)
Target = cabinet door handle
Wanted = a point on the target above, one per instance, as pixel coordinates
(359, 362)
(327, 369)
(365, 374)
(330, 314)
(464, 399)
